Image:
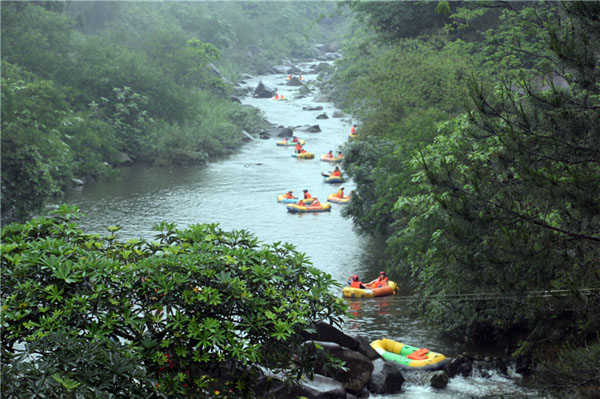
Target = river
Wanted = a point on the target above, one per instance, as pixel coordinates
(240, 192)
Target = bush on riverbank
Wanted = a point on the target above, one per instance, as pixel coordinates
(198, 311)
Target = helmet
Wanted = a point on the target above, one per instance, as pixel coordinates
(355, 277)
(382, 273)
(305, 190)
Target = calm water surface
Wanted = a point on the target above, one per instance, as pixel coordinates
(240, 193)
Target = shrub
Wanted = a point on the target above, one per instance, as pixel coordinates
(199, 312)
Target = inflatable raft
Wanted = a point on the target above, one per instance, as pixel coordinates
(295, 208)
(325, 158)
(338, 200)
(352, 136)
(306, 155)
(350, 292)
(333, 179)
(292, 200)
(289, 143)
(409, 357)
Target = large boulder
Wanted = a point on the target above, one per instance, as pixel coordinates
(386, 378)
(365, 348)
(277, 132)
(295, 81)
(294, 70)
(309, 129)
(327, 332)
(263, 90)
(439, 379)
(319, 387)
(358, 367)
(322, 116)
(322, 67)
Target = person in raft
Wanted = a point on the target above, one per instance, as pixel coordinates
(329, 154)
(289, 195)
(353, 130)
(294, 139)
(306, 194)
(298, 148)
(285, 140)
(340, 193)
(355, 282)
(381, 281)
(340, 155)
(336, 172)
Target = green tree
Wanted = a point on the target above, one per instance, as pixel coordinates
(199, 312)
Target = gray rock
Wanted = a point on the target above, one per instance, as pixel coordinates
(77, 182)
(294, 70)
(263, 90)
(319, 387)
(309, 129)
(386, 378)
(295, 81)
(358, 367)
(337, 114)
(365, 348)
(439, 379)
(123, 158)
(311, 108)
(322, 116)
(277, 132)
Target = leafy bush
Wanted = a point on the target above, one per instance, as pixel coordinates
(198, 311)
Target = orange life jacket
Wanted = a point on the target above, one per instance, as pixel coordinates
(340, 194)
(355, 284)
(307, 196)
(353, 130)
(288, 195)
(381, 282)
(336, 173)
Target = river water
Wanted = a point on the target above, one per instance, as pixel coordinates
(240, 193)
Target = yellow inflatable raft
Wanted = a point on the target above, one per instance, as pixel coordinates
(338, 200)
(305, 155)
(409, 357)
(350, 292)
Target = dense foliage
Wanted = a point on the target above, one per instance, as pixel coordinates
(479, 160)
(89, 85)
(201, 312)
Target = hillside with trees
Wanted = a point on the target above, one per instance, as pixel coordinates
(478, 161)
(87, 86)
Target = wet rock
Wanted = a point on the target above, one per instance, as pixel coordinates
(358, 367)
(322, 116)
(294, 71)
(309, 129)
(439, 379)
(247, 136)
(247, 76)
(77, 182)
(123, 158)
(338, 114)
(326, 332)
(386, 378)
(313, 108)
(365, 348)
(277, 132)
(235, 99)
(319, 387)
(263, 90)
(322, 98)
(452, 367)
(523, 366)
(323, 66)
(465, 369)
(295, 81)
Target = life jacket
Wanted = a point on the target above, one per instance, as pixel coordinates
(336, 173)
(340, 194)
(298, 147)
(355, 284)
(307, 196)
(353, 130)
(329, 155)
(288, 195)
(381, 282)
(303, 151)
(295, 140)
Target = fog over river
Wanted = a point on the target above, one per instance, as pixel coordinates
(240, 192)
